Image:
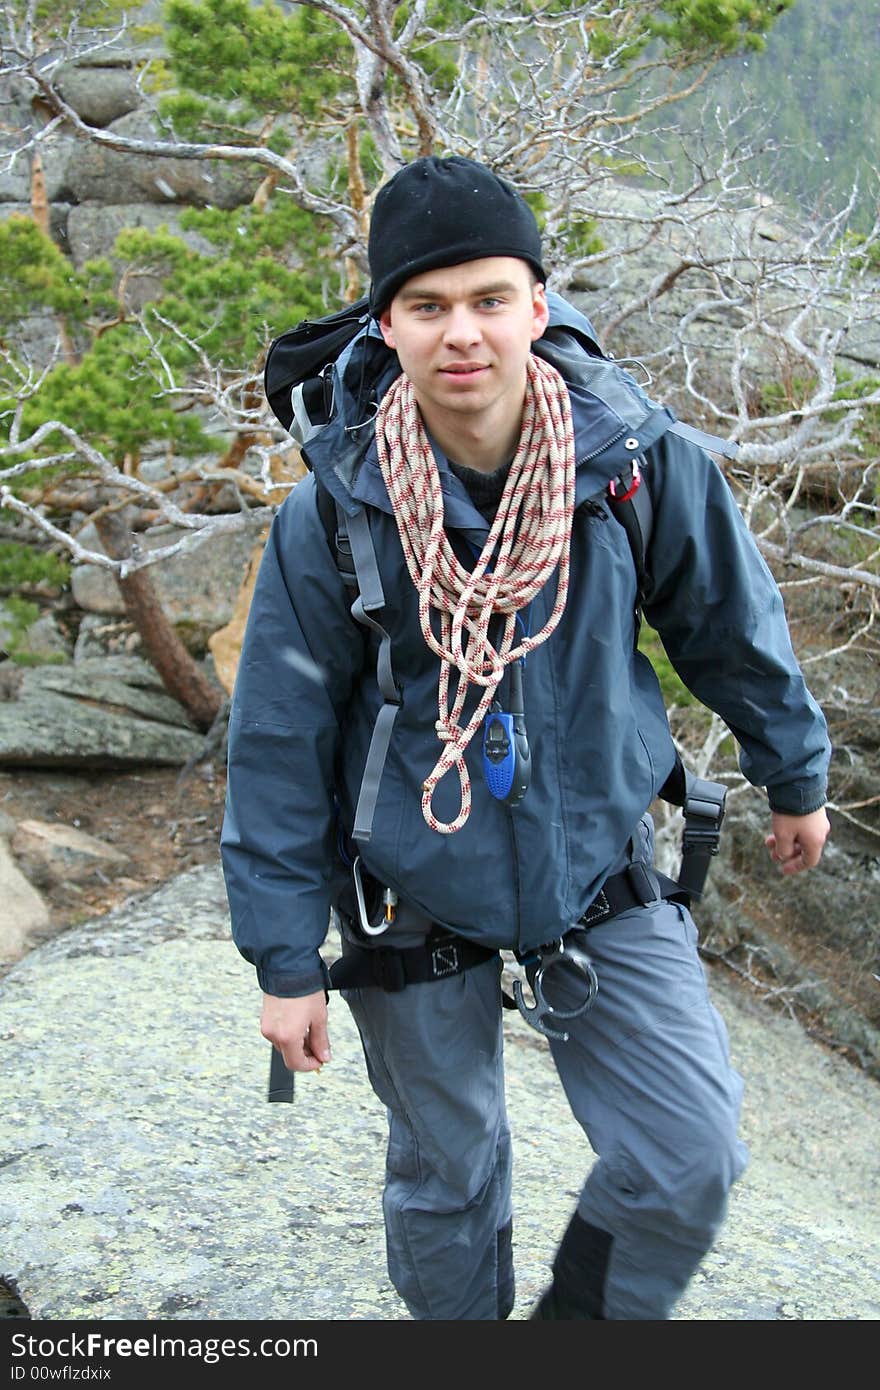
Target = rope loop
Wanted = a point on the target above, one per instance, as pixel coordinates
(528, 541)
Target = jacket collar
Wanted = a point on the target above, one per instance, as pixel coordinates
(614, 420)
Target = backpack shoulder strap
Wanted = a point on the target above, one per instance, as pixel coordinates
(335, 523)
(369, 601)
(351, 541)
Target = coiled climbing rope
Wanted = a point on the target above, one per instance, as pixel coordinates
(529, 539)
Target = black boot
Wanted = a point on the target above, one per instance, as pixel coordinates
(578, 1289)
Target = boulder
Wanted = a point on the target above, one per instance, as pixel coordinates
(15, 185)
(100, 93)
(96, 173)
(51, 853)
(24, 911)
(95, 714)
(197, 588)
(55, 152)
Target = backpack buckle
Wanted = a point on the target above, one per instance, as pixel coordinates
(631, 485)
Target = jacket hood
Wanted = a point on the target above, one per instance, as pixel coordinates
(613, 417)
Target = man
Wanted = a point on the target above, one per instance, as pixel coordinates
(482, 478)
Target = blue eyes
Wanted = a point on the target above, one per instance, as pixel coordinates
(490, 302)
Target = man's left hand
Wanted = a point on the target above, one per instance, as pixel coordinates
(796, 842)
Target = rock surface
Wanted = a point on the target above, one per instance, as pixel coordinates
(96, 713)
(24, 911)
(145, 1175)
(196, 588)
(58, 854)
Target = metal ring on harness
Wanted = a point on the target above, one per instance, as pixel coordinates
(560, 952)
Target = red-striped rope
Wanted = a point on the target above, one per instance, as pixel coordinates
(529, 539)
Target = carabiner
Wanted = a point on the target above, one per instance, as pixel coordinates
(363, 915)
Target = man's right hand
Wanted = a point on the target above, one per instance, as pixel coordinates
(298, 1028)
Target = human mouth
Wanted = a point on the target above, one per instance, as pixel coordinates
(464, 369)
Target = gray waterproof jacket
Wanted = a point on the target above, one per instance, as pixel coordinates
(306, 695)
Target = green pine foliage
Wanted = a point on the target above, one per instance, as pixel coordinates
(36, 274)
(24, 566)
(232, 302)
(871, 258)
(715, 26)
(226, 305)
(233, 62)
(110, 396)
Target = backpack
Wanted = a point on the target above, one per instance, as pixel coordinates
(298, 383)
(295, 376)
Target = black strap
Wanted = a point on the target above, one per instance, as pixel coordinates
(391, 969)
(703, 813)
(637, 885)
(703, 805)
(280, 1079)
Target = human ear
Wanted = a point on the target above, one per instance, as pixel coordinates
(540, 311)
(387, 331)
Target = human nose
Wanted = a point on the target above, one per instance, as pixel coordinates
(462, 328)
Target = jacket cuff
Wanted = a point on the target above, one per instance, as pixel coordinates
(788, 801)
(295, 986)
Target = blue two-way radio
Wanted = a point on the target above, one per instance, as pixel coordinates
(507, 761)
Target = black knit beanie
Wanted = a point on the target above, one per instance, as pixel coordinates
(437, 212)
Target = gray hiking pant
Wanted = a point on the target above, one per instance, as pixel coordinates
(647, 1075)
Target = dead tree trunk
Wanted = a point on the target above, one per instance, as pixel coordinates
(180, 674)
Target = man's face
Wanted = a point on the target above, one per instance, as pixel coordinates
(463, 335)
